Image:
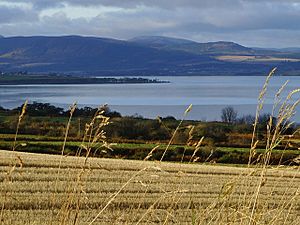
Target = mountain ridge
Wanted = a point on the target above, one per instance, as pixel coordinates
(76, 53)
(217, 47)
(141, 55)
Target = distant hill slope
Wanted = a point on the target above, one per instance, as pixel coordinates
(219, 48)
(75, 54)
(278, 50)
(152, 55)
(160, 41)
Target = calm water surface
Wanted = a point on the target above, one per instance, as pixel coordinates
(208, 94)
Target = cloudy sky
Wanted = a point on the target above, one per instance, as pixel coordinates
(261, 23)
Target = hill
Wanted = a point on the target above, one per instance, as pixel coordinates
(219, 48)
(87, 54)
(160, 41)
(152, 55)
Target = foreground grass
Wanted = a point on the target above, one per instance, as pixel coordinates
(41, 189)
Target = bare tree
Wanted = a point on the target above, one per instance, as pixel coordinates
(246, 119)
(229, 114)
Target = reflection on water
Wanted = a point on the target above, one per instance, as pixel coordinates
(208, 94)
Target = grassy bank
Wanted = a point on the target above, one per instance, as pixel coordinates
(139, 151)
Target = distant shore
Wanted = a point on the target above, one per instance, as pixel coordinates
(50, 79)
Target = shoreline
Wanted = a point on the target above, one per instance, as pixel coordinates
(32, 80)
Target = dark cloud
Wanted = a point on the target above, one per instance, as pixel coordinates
(15, 15)
(169, 4)
(153, 3)
(250, 22)
(39, 4)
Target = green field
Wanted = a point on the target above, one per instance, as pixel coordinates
(179, 153)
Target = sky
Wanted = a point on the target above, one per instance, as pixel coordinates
(253, 23)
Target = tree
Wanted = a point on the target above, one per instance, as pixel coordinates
(2, 109)
(216, 131)
(229, 114)
(246, 119)
(41, 109)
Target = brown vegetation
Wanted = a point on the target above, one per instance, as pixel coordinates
(162, 192)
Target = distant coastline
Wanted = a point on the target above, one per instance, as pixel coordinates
(63, 79)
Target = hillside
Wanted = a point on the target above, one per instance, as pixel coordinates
(138, 56)
(218, 48)
(76, 54)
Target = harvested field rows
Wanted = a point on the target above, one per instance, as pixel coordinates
(48, 189)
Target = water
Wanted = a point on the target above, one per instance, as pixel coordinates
(208, 94)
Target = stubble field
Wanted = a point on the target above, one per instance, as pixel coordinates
(48, 189)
